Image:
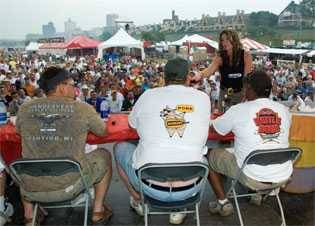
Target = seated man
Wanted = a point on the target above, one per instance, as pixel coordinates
(160, 142)
(57, 126)
(245, 120)
(6, 208)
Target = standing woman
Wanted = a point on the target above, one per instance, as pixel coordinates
(233, 63)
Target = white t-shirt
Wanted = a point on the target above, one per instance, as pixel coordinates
(258, 124)
(172, 123)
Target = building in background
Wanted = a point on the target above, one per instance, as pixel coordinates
(71, 29)
(49, 29)
(110, 19)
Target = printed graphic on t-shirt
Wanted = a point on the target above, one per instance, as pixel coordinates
(174, 119)
(268, 123)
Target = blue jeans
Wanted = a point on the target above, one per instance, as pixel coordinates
(123, 153)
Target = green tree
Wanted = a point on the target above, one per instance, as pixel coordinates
(261, 23)
(105, 35)
(307, 8)
(153, 36)
(263, 18)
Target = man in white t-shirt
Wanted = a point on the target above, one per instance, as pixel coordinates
(259, 123)
(161, 142)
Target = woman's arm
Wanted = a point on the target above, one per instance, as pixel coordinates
(214, 66)
(248, 61)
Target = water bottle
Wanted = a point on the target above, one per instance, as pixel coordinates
(3, 113)
(105, 109)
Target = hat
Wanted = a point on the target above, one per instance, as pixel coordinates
(176, 69)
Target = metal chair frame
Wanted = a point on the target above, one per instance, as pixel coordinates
(161, 207)
(75, 167)
(264, 157)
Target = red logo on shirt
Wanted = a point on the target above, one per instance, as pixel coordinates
(268, 123)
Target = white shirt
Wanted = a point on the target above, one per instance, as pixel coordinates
(172, 123)
(251, 122)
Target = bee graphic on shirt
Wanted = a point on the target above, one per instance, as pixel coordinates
(174, 119)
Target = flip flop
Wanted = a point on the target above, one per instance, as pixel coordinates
(102, 216)
(40, 218)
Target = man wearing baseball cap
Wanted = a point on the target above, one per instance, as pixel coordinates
(160, 142)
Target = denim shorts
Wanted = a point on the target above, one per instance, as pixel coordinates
(123, 153)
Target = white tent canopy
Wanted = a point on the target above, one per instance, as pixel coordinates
(121, 39)
(250, 44)
(32, 46)
(311, 53)
(196, 39)
(284, 51)
(180, 41)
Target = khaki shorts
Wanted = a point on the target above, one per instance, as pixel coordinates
(66, 187)
(224, 162)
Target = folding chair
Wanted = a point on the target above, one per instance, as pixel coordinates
(51, 167)
(172, 172)
(264, 158)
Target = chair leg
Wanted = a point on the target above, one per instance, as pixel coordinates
(197, 214)
(146, 213)
(34, 214)
(281, 210)
(237, 207)
(86, 209)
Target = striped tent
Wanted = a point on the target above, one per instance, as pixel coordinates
(250, 44)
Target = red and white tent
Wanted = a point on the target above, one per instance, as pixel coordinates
(82, 42)
(250, 44)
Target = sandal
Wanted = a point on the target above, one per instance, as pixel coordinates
(39, 218)
(105, 215)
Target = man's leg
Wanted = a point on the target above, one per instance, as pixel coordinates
(126, 182)
(123, 153)
(102, 187)
(215, 179)
(221, 163)
(28, 208)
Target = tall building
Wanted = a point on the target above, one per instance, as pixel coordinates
(49, 29)
(71, 29)
(110, 19)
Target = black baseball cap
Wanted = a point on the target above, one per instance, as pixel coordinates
(176, 69)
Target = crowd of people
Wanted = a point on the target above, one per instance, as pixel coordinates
(121, 83)
(82, 90)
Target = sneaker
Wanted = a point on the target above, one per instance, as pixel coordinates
(177, 218)
(224, 210)
(256, 199)
(6, 214)
(136, 206)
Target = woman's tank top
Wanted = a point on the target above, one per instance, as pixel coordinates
(232, 76)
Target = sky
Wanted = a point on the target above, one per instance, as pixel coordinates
(19, 17)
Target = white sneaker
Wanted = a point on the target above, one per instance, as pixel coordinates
(177, 218)
(136, 206)
(224, 210)
(6, 214)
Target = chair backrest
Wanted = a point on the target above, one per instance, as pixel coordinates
(44, 167)
(272, 156)
(173, 171)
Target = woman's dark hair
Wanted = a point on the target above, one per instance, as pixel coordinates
(232, 36)
(260, 82)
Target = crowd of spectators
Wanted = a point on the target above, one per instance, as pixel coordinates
(121, 83)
